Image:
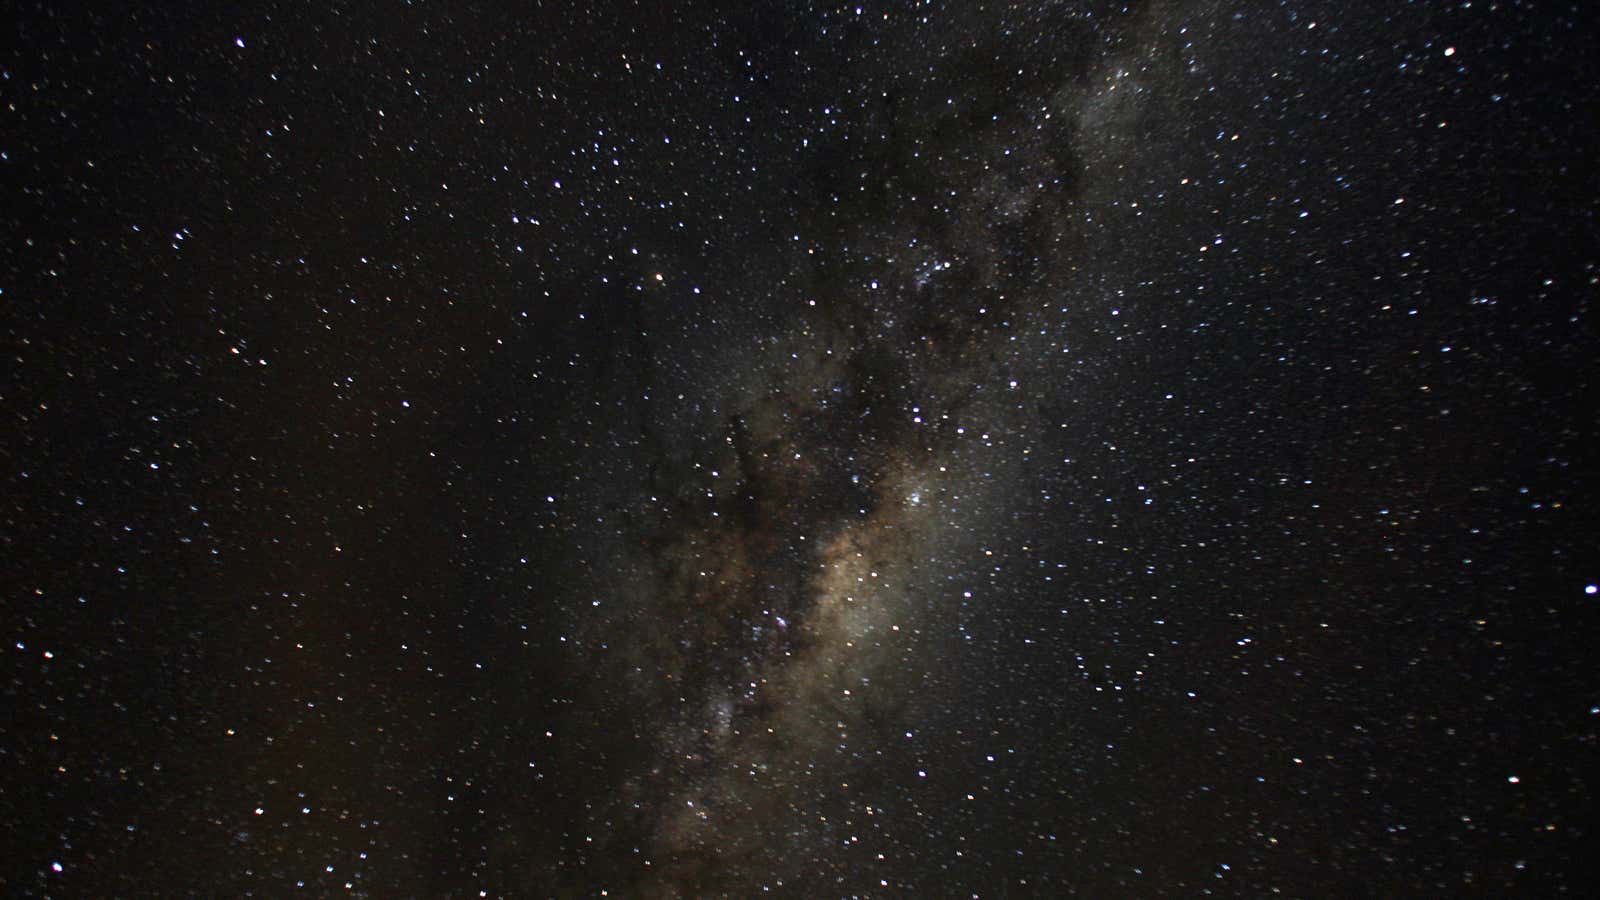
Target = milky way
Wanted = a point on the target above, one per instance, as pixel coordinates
(792, 590)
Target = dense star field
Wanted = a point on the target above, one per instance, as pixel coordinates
(916, 449)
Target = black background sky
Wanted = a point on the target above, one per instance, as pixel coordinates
(518, 449)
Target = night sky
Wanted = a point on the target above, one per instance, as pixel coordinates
(921, 449)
